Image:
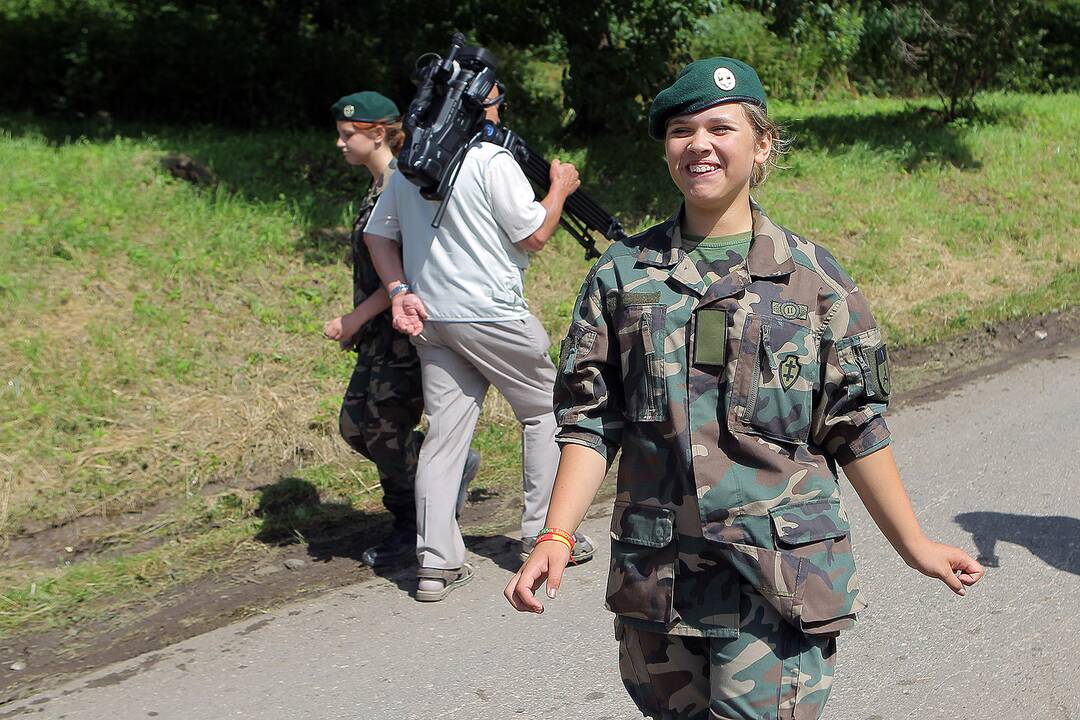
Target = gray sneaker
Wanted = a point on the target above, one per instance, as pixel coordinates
(583, 548)
(472, 465)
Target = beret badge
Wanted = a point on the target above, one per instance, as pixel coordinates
(724, 78)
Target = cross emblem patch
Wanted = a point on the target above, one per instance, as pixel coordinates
(789, 371)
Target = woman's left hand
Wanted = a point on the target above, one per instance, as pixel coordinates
(951, 565)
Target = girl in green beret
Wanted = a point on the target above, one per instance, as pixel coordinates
(735, 366)
(384, 400)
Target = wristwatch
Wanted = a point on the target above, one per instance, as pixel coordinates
(399, 290)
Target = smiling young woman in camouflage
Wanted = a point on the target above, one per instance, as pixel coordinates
(735, 365)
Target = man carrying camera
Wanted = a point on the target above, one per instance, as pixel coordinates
(458, 290)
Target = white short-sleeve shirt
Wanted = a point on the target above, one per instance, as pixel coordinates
(469, 268)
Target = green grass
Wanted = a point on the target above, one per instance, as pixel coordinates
(163, 347)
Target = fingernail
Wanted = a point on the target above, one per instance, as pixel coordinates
(551, 592)
(963, 592)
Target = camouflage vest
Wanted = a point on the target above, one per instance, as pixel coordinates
(731, 398)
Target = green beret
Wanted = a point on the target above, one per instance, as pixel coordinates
(366, 106)
(703, 84)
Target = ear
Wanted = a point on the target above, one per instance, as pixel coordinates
(377, 133)
(762, 148)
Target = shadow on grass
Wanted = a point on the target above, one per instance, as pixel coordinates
(916, 136)
(1054, 539)
(625, 172)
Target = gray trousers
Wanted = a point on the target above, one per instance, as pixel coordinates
(458, 362)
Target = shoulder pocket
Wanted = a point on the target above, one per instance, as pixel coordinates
(642, 575)
(641, 335)
(775, 377)
(865, 358)
(578, 342)
(579, 387)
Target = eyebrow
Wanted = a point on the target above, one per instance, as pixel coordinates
(711, 119)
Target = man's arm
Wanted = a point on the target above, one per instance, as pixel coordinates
(406, 308)
(564, 181)
(386, 257)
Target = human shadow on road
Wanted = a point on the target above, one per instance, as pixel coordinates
(1055, 539)
(292, 513)
(501, 550)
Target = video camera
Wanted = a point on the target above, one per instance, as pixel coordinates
(447, 116)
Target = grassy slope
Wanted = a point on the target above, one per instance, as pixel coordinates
(162, 342)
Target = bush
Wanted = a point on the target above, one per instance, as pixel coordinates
(965, 46)
(810, 61)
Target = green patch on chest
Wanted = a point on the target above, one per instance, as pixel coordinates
(789, 371)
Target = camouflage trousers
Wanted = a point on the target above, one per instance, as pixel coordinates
(382, 406)
(772, 671)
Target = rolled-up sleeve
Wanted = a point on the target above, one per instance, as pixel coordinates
(513, 203)
(588, 396)
(848, 415)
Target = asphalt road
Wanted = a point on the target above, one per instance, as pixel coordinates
(994, 463)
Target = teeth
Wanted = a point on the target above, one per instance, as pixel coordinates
(702, 168)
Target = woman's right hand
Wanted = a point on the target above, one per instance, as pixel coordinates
(344, 327)
(333, 330)
(546, 562)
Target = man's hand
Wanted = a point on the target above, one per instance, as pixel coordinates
(949, 564)
(409, 313)
(564, 177)
(546, 562)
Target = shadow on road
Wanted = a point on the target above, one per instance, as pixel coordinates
(1054, 539)
(293, 513)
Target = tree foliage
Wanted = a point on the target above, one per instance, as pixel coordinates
(965, 46)
(592, 65)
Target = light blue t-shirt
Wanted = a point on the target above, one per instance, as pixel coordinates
(469, 268)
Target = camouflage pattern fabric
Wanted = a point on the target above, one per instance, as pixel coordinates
(771, 671)
(379, 414)
(732, 391)
(384, 400)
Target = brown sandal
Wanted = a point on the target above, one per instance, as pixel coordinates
(444, 582)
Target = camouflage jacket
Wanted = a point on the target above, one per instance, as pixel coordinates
(731, 398)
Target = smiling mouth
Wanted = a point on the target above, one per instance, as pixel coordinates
(699, 169)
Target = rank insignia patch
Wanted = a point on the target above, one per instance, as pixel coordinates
(789, 310)
(789, 371)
